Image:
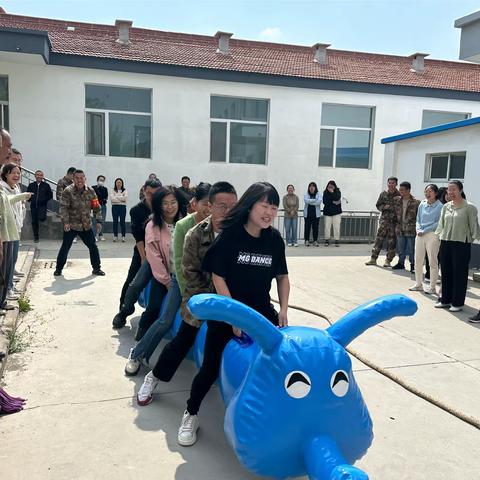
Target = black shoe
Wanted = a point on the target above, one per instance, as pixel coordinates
(141, 331)
(398, 266)
(57, 273)
(337, 243)
(119, 320)
(475, 318)
(97, 271)
(412, 269)
(327, 243)
(36, 240)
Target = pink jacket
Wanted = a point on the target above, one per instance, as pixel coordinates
(157, 249)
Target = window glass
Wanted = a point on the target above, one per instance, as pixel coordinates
(3, 89)
(239, 109)
(95, 133)
(326, 147)
(4, 116)
(129, 135)
(439, 166)
(353, 148)
(457, 166)
(346, 116)
(118, 98)
(431, 118)
(218, 142)
(248, 143)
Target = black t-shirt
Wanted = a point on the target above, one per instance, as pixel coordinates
(138, 219)
(248, 265)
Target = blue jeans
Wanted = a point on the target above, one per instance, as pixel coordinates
(406, 246)
(291, 229)
(149, 342)
(139, 282)
(16, 245)
(103, 210)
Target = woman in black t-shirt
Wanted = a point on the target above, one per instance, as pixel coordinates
(244, 259)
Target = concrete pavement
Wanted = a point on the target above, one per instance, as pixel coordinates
(82, 422)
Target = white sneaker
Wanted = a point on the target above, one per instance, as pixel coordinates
(441, 305)
(114, 239)
(431, 291)
(75, 240)
(133, 365)
(145, 394)
(11, 295)
(455, 309)
(416, 288)
(187, 433)
(123, 239)
(102, 239)
(96, 239)
(295, 244)
(18, 274)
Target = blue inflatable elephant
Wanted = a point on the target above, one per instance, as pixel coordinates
(292, 404)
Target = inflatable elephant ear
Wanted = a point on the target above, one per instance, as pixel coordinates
(208, 306)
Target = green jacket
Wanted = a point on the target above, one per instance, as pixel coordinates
(8, 224)
(76, 205)
(409, 227)
(458, 224)
(386, 205)
(181, 229)
(197, 242)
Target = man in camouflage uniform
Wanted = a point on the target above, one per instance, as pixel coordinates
(387, 223)
(76, 203)
(406, 207)
(64, 182)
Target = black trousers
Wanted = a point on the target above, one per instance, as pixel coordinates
(175, 351)
(6, 270)
(150, 314)
(88, 238)
(132, 271)
(119, 213)
(39, 214)
(454, 260)
(311, 223)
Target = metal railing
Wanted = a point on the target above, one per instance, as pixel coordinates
(355, 227)
(28, 176)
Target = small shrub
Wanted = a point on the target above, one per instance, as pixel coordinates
(24, 304)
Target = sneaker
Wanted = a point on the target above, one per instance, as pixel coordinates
(307, 243)
(7, 306)
(315, 244)
(36, 240)
(295, 244)
(75, 240)
(123, 239)
(115, 239)
(57, 273)
(455, 309)
(475, 318)
(327, 243)
(97, 271)
(387, 264)
(337, 243)
(96, 239)
(426, 280)
(439, 304)
(372, 261)
(412, 269)
(119, 320)
(133, 365)
(416, 288)
(102, 238)
(12, 296)
(431, 291)
(187, 433)
(398, 266)
(18, 274)
(145, 394)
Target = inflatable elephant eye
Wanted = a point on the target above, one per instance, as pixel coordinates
(298, 384)
(339, 383)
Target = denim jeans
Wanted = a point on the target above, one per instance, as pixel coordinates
(103, 210)
(140, 281)
(16, 246)
(119, 213)
(152, 310)
(149, 342)
(406, 246)
(291, 229)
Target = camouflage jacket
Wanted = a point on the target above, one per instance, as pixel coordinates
(76, 205)
(197, 241)
(62, 184)
(386, 205)
(407, 227)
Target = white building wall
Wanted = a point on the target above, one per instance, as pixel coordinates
(47, 122)
(411, 158)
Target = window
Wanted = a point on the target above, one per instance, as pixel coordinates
(238, 130)
(346, 136)
(446, 166)
(118, 121)
(4, 120)
(431, 118)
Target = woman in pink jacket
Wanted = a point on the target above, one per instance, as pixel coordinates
(158, 250)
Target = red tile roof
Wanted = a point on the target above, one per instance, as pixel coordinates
(188, 50)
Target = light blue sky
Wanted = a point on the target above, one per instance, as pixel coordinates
(399, 27)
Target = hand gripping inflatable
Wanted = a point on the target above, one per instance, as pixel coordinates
(292, 404)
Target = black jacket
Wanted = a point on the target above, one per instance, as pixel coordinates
(42, 194)
(138, 219)
(102, 194)
(329, 208)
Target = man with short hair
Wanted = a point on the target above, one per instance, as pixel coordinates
(102, 195)
(16, 157)
(386, 223)
(41, 195)
(64, 182)
(77, 201)
(187, 195)
(139, 273)
(6, 146)
(406, 208)
(222, 199)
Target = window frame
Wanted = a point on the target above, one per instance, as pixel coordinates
(335, 129)
(228, 121)
(468, 114)
(429, 162)
(3, 104)
(106, 127)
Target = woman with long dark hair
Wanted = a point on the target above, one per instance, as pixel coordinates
(243, 260)
(332, 212)
(457, 228)
(158, 252)
(311, 213)
(119, 196)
